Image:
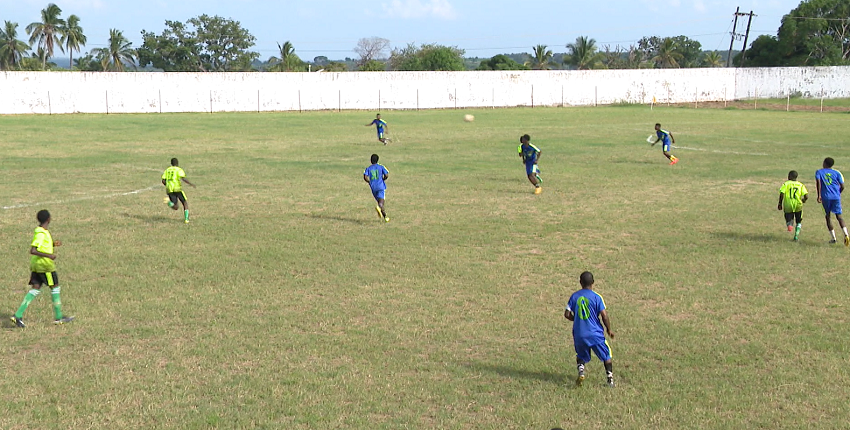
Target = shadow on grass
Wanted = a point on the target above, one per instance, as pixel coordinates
(150, 218)
(5, 320)
(339, 218)
(763, 238)
(511, 372)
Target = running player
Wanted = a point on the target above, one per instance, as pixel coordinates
(667, 140)
(585, 309)
(381, 125)
(43, 271)
(375, 175)
(792, 195)
(530, 155)
(830, 185)
(171, 179)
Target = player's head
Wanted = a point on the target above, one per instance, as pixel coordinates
(173, 161)
(792, 175)
(374, 158)
(657, 126)
(586, 279)
(524, 138)
(43, 216)
(828, 162)
(378, 116)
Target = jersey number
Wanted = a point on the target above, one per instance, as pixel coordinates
(828, 178)
(794, 192)
(583, 309)
(169, 176)
(374, 174)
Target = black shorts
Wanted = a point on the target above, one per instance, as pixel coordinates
(178, 196)
(49, 279)
(792, 215)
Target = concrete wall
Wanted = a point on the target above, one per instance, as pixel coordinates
(95, 92)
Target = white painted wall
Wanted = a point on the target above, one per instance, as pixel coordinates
(95, 92)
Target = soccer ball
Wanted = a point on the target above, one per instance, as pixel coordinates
(468, 118)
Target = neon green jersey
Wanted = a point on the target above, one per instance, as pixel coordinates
(172, 177)
(793, 192)
(43, 242)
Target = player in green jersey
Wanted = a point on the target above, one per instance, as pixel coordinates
(171, 179)
(43, 271)
(792, 195)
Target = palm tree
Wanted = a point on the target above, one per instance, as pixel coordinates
(117, 53)
(541, 58)
(287, 61)
(583, 54)
(712, 59)
(72, 37)
(11, 49)
(45, 32)
(668, 55)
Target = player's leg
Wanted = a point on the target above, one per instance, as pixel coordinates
(172, 200)
(828, 208)
(789, 221)
(181, 196)
(799, 218)
(603, 352)
(53, 282)
(36, 281)
(530, 171)
(582, 358)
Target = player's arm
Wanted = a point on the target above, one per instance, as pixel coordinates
(817, 185)
(187, 181)
(568, 314)
(386, 175)
(805, 197)
(672, 139)
(34, 251)
(606, 322)
(537, 160)
(366, 178)
(656, 140)
(781, 197)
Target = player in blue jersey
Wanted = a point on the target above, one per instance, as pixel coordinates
(830, 184)
(381, 125)
(530, 155)
(667, 140)
(585, 309)
(375, 175)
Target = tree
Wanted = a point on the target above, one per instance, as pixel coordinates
(501, 62)
(816, 33)
(44, 33)
(203, 44)
(712, 59)
(583, 54)
(691, 51)
(321, 60)
(11, 49)
(667, 56)
(288, 61)
(541, 58)
(116, 53)
(335, 66)
(765, 51)
(72, 37)
(88, 63)
(427, 57)
(613, 59)
(371, 48)
(373, 66)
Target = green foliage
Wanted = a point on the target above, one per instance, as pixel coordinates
(583, 54)
(765, 51)
(541, 58)
(501, 62)
(117, 53)
(88, 63)
(11, 49)
(427, 57)
(44, 33)
(288, 61)
(72, 36)
(712, 59)
(335, 66)
(668, 54)
(203, 44)
(373, 66)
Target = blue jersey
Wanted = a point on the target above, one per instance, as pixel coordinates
(830, 183)
(529, 153)
(663, 136)
(376, 173)
(380, 123)
(586, 305)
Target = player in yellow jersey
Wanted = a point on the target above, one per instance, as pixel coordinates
(792, 195)
(43, 271)
(171, 179)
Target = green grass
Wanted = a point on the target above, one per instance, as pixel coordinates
(810, 102)
(286, 304)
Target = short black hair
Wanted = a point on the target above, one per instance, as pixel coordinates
(658, 124)
(173, 161)
(792, 175)
(524, 138)
(43, 216)
(828, 162)
(378, 114)
(374, 158)
(586, 279)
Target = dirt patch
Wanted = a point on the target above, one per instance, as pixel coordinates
(751, 105)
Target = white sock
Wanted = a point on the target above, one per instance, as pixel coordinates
(832, 232)
(845, 231)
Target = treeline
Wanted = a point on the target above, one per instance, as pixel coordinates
(813, 34)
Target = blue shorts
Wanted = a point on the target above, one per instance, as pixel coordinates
(380, 133)
(832, 206)
(531, 168)
(602, 351)
(379, 194)
(665, 147)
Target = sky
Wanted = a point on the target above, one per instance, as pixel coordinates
(332, 28)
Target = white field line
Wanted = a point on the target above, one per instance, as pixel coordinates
(77, 199)
(719, 152)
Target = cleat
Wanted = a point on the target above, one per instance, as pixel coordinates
(18, 322)
(846, 240)
(795, 240)
(185, 221)
(580, 378)
(380, 214)
(165, 200)
(610, 382)
(832, 242)
(64, 320)
(538, 190)
(386, 219)
(790, 228)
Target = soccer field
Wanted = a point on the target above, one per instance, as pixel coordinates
(287, 304)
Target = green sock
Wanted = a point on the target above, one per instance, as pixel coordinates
(797, 230)
(171, 204)
(539, 180)
(186, 214)
(32, 294)
(57, 303)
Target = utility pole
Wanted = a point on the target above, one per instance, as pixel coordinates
(746, 36)
(732, 42)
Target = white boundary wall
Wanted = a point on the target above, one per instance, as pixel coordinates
(96, 92)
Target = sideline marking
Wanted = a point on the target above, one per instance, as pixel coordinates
(54, 202)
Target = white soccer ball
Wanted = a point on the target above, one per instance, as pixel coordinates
(468, 118)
